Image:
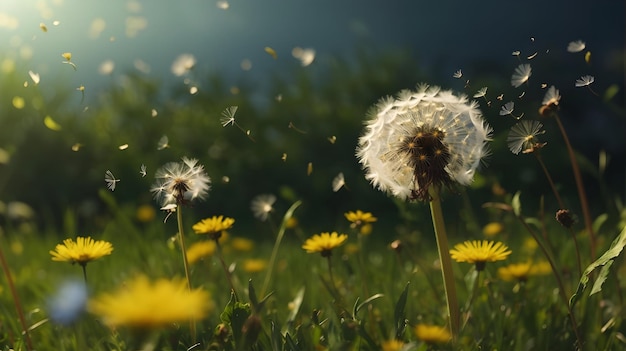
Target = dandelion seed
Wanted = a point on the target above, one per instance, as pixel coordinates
(123, 147)
(552, 97)
(521, 75)
(284, 157)
(34, 76)
(183, 64)
(109, 178)
(481, 93)
(420, 139)
(309, 168)
(68, 59)
(306, 56)
(576, 46)
(154, 113)
(228, 116)
(163, 143)
(521, 95)
(544, 85)
(225, 179)
(458, 74)
(143, 171)
(76, 147)
(588, 57)
(516, 53)
(51, 124)
(523, 136)
(531, 56)
(271, 52)
(500, 97)
(106, 68)
(222, 5)
(262, 206)
(293, 126)
(279, 98)
(507, 109)
(193, 90)
(56, 23)
(332, 139)
(43, 27)
(584, 81)
(338, 182)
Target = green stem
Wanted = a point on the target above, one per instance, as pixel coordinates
(84, 266)
(181, 240)
(279, 238)
(220, 255)
(445, 260)
(16, 299)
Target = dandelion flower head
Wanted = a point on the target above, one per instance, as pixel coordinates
(213, 226)
(81, 251)
(143, 304)
(480, 252)
(429, 137)
(200, 250)
(324, 243)
(180, 182)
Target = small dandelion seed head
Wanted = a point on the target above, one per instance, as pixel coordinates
(262, 206)
(180, 182)
(422, 138)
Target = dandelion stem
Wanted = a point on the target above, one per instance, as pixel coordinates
(580, 187)
(279, 238)
(16, 300)
(562, 205)
(84, 266)
(181, 240)
(220, 255)
(445, 260)
(561, 289)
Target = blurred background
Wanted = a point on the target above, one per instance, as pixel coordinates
(91, 86)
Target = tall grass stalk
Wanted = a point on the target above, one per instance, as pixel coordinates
(16, 300)
(183, 249)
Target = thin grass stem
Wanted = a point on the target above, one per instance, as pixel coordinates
(183, 249)
(229, 277)
(16, 300)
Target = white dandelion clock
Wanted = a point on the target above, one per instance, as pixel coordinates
(142, 170)
(523, 136)
(110, 180)
(180, 183)
(422, 139)
(521, 74)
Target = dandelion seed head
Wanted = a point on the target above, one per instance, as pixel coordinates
(180, 182)
(422, 138)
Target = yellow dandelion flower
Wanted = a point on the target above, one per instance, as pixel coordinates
(145, 213)
(213, 226)
(366, 229)
(515, 272)
(200, 250)
(324, 243)
(292, 223)
(143, 304)
(81, 251)
(359, 217)
(254, 265)
(541, 268)
(432, 334)
(392, 345)
(493, 229)
(242, 244)
(480, 252)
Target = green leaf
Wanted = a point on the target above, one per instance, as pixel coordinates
(516, 203)
(235, 315)
(252, 294)
(358, 307)
(398, 313)
(606, 260)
